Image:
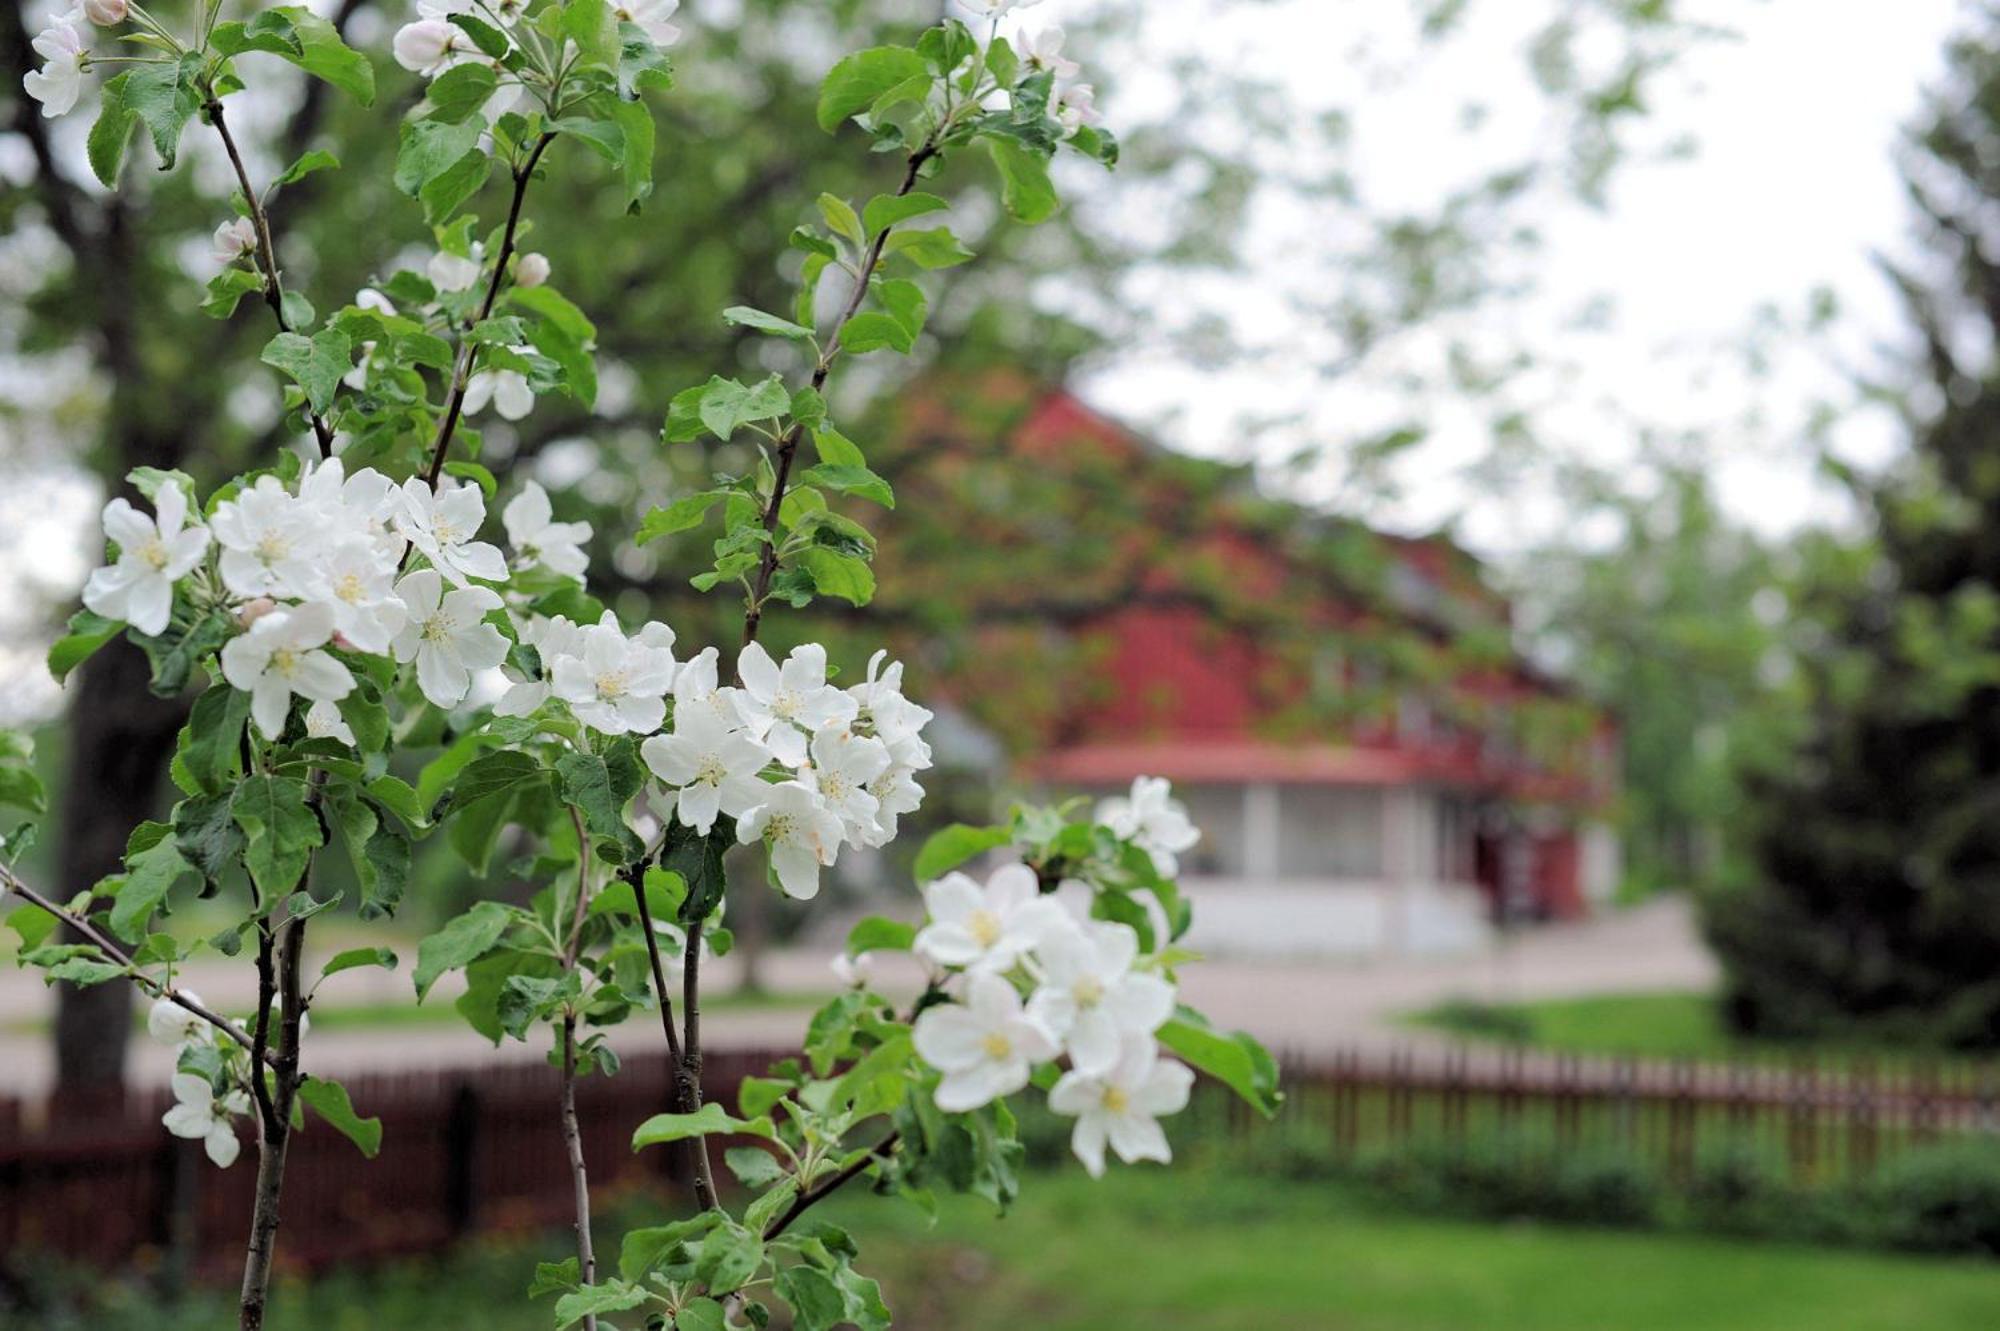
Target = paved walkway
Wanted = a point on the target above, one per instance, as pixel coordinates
(1293, 1006)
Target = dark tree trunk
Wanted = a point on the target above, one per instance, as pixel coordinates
(119, 738)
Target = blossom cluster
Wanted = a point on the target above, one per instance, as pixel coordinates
(198, 1113)
(57, 82)
(1073, 104)
(1090, 997)
(433, 44)
(318, 571)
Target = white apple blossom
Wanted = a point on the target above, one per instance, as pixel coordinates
(1076, 106)
(233, 240)
(280, 656)
(1043, 51)
(1121, 1106)
(1090, 996)
(171, 1024)
(447, 635)
(986, 1047)
(538, 539)
(153, 554)
(506, 390)
(783, 706)
(986, 928)
(442, 525)
(106, 13)
(430, 46)
(59, 82)
(353, 508)
(896, 793)
(1151, 818)
(531, 270)
(451, 272)
(994, 8)
(324, 721)
(802, 833)
(855, 972)
(843, 763)
(269, 540)
(201, 1117)
(357, 585)
(615, 684)
(651, 17)
(712, 766)
(891, 717)
(552, 639)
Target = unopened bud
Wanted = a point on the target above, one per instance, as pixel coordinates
(531, 270)
(106, 13)
(255, 609)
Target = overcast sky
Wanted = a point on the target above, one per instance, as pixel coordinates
(1792, 185)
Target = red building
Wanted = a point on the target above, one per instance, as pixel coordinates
(1372, 765)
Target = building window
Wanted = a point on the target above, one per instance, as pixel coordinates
(1330, 832)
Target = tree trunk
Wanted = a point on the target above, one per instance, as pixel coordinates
(120, 736)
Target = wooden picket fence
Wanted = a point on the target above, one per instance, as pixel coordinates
(476, 1151)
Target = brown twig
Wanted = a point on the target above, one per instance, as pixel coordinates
(788, 447)
(461, 375)
(275, 1139)
(805, 1201)
(266, 255)
(586, 1254)
(104, 943)
(704, 1171)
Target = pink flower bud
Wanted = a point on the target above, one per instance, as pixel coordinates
(531, 270)
(106, 13)
(255, 609)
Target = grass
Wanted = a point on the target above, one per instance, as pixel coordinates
(1649, 1025)
(1204, 1251)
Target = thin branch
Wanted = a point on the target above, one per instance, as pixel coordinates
(267, 254)
(704, 1171)
(111, 949)
(586, 1255)
(788, 447)
(805, 1201)
(660, 990)
(275, 1140)
(461, 375)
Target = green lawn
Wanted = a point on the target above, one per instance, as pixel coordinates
(1199, 1251)
(1655, 1025)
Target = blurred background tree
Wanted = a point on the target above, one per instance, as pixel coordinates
(1872, 907)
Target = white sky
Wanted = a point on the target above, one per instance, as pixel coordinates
(1791, 187)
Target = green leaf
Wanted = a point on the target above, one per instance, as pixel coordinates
(697, 860)
(747, 317)
(554, 307)
(853, 84)
(872, 330)
(164, 98)
(934, 248)
(683, 514)
(591, 1300)
(726, 405)
(317, 363)
(174, 654)
(207, 835)
(840, 216)
(33, 924)
(949, 847)
(554, 1277)
(664, 894)
(701, 1314)
(153, 864)
(489, 39)
(836, 449)
(728, 1257)
(1025, 189)
(355, 958)
(817, 1303)
(635, 124)
(593, 26)
(835, 573)
(643, 1249)
(445, 193)
(851, 480)
(495, 773)
(329, 1100)
(879, 933)
(886, 210)
(753, 1167)
(1235, 1060)
(111, 131)
(279, 830)
(429, 148)
(466, 939)
(211, 742)
(228, 287)
(600, 786)
(460, 91)
(87, 632)
(295, 33)
(710, 1118)
(319, 159)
